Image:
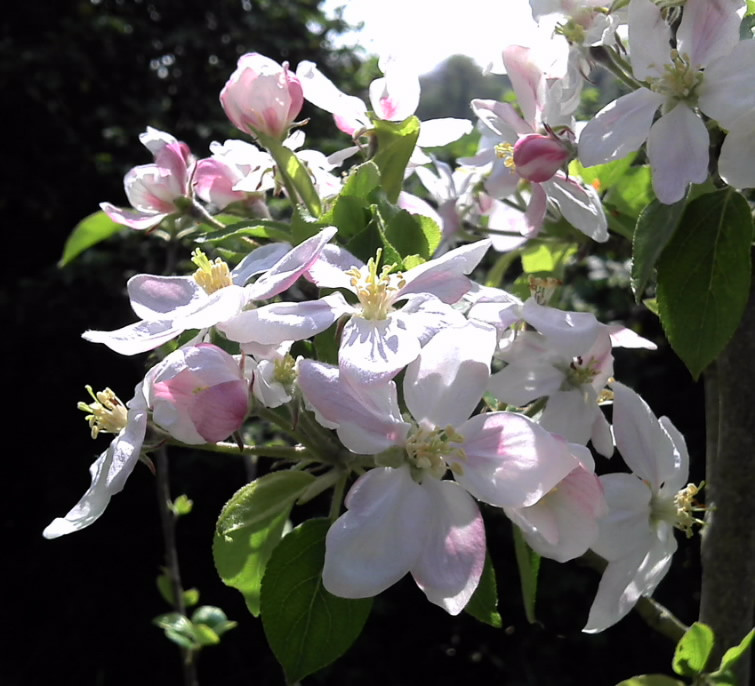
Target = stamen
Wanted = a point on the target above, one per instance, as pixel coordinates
(107, 414)
(685, 506)
(211, 276)
(376, 291)
(680, 78)
(505, 151)
(284, 371)
(429, 450)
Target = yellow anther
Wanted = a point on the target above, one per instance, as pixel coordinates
(211, 276)
(430, 450)
(506, 152)
(542, 289)
(685, 504)
(376, 291)
(284, 370)
(107, 414)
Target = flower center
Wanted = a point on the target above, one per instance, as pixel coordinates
(211, 276)
(284, 371)
(679, 510)
(579, 373)
(680, 78)
(107, 414)
(430, 450)
(376, 291)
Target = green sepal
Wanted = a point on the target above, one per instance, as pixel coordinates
(395, 143)
(307, 627)
(528, 562)
(250, 526)
(655, 227)
(88, 232)
(704, 277)
(483, 605)
(693, 650)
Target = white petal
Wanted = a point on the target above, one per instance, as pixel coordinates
(510, 460)
(619, 128)
(649, 37)
(160, 297)
(678, 153)
(380, 537)
(737, 153)
(452, 558)
(625, 580)
(437, 132)
(571, 414)
(109, 473)
(580, 206)
(259, 260)
(135, 338)
(374, 351)
(709, 29)
(446, 382)
(726, 93)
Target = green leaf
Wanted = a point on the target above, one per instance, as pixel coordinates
(191, 597)
(395, 144)
(655, 226)
(528, 562)
(349, 214)
(651, 304)
(413, 234)
(362, 180)
(181, 505)
(693, 650)
(165, 587)
(250, 526)
(631, 193)
(547, 257)
(651, 680)
(307, 627)
(483, 605)
(254, 228)
(214, 618)
(704, 277)
(88, 232)
(734, 654)
(602, 176)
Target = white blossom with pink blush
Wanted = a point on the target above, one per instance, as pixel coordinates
(563, 524)
(678, 79)
(169, 305)
(515, 149)
(380, 339)
(637, 535)
(404, 517)
(198, 394)
(233, 165)
(153, 189)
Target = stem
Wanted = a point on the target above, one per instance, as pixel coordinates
(728, 539)
(168, 524)
(337, 500)
(616, 65)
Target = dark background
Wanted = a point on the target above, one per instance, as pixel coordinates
(81, 79)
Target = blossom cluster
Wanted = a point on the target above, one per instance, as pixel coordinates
(439, 393)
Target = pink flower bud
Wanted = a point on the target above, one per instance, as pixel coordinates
(262, 95)
(537, 158)
(198, 394)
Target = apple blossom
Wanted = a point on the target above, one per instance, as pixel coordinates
(261, 95)
(169, 305)
(153, 189)
(636, 536)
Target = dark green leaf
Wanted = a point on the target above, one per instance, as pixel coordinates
(395, 144)
(88, 232)
(250, 526)
(528, 562)
(306, 627)
(362, 180)
(413, 234)
(651, 680)
(704, 277)
(693, 650)
(654, 229)
(254, 228)
(483, 605)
